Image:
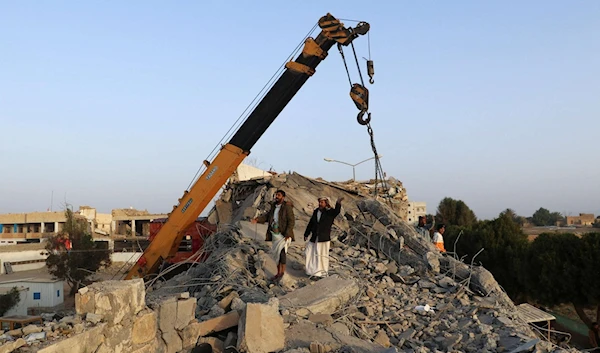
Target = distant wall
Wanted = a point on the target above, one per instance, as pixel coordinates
(36, 255)
(130, 257)
(34, 259)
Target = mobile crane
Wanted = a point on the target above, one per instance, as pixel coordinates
(194, 200)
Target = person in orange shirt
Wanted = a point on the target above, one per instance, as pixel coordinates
(438, 237)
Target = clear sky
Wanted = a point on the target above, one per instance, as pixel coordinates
(116, 104)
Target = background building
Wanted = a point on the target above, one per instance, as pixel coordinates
(36, 294)
(584, 219)
(34, 226)
(415, 209)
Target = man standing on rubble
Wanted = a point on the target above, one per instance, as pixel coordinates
(424, 229)
(319, 226)
(281, 222)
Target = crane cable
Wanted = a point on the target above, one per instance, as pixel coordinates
(255, 101)
(379, 173)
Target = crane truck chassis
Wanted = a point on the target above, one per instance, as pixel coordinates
(194, 200)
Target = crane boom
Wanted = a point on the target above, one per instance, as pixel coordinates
(231, 155)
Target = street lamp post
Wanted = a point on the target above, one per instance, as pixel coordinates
(352, 165)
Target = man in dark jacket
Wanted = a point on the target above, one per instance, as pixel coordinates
(319, 231)
(280, 219)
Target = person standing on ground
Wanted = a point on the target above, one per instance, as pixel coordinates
(423, 229)
(281, 222)
(319, 231)
(438, 237)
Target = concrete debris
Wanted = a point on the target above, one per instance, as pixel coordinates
(112, 300)
(12, 346)
(382, 278)
(324, 297)
(245, 199)
(261, 328)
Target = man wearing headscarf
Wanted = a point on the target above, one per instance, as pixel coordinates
(319, 231)
(281, 221)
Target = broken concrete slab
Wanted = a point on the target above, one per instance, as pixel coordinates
(260, 328)
(305, 333)
(326, 296)
(86, 342)
(324, 319)
(217, 324)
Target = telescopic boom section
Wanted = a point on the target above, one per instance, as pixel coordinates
(194, 201)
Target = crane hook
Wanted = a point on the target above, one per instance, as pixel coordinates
(360, 118)
(370, 70)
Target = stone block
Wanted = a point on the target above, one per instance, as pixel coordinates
(323, 297)
(219, 323)
(86, 342)
(190, 334)
(144, 327)
(114, 300)
(167, 314)
(11, 346)
(151, 347)
(186, 312)
(225, 303)
(118, 338)
(31, 329)
(304, 333)
(261, 328)
(173, 341)
(93, 318)
(84, 302)
(15, 333)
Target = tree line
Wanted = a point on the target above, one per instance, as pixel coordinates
(552, 269)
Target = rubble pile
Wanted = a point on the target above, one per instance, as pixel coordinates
(55, 328)
(246, 199)
(387, 291)
(369, 303)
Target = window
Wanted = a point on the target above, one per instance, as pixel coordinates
(37, 296)
(58, 293)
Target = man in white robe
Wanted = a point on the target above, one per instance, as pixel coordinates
(318, 237)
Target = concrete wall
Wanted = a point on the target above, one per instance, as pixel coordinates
(104, 222)
(18, 256)
(130, 257)
(28, 255)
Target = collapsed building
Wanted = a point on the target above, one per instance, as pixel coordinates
(388, 290)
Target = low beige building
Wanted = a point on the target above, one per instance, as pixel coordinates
(584, 219)
(33, 226)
